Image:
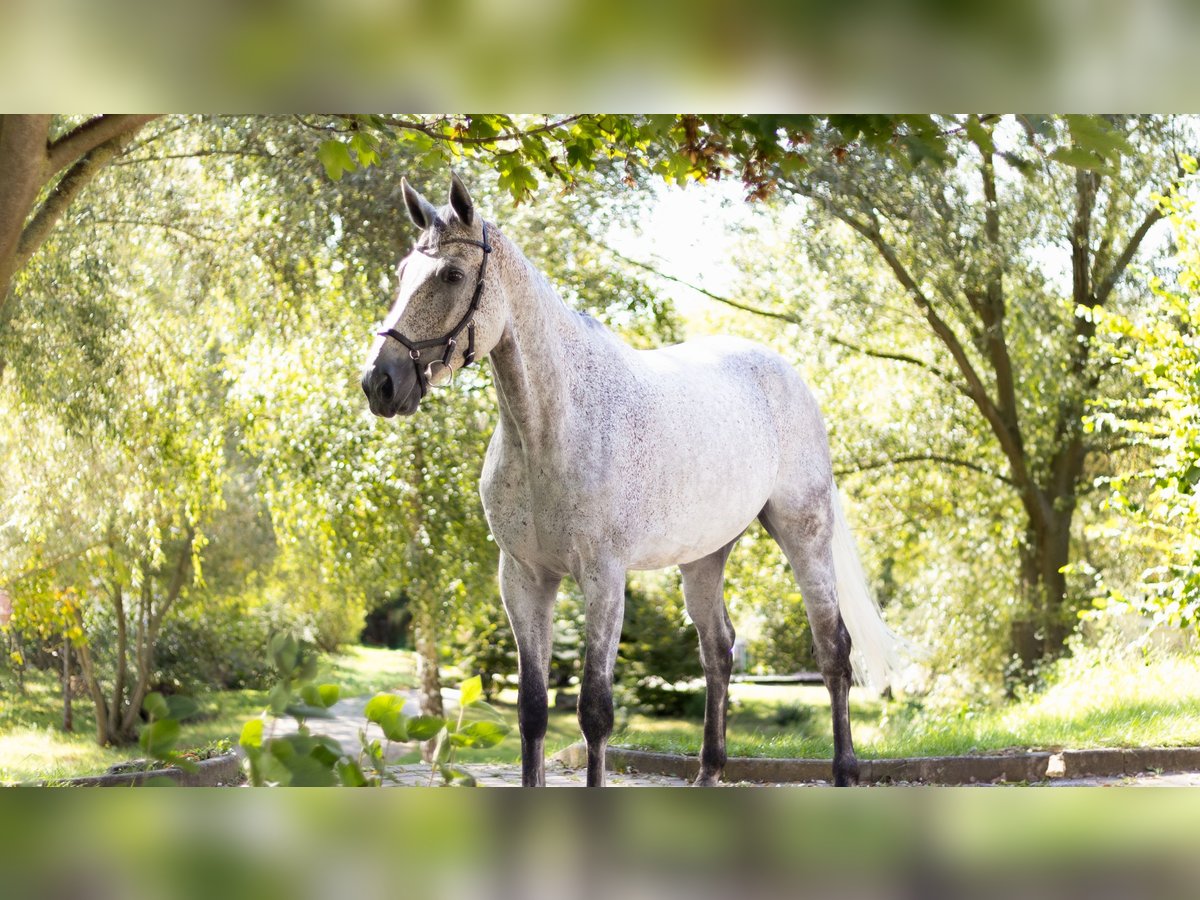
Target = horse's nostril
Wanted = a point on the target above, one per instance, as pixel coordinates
(385, 387)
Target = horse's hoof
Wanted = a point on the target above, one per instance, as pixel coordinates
(707, 779)
(845, 772)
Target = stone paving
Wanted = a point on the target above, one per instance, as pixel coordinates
(558, 775)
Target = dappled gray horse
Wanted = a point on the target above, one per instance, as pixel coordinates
(608, 459)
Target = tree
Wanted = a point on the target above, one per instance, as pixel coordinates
(1156, 506)
(982, 309)
(45, 165)
(974, 276)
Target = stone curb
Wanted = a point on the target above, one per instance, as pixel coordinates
(949, 770)
(209, 773)
(1085, 763)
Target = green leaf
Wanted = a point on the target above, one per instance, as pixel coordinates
(980, 135)
(182, 707)
(461, 777)
(326, 751)
(285, 652)
(441, 752)
(482, 707)
(308, 667)
(272, 769)
(279, 698)
(323, 696)
(382, 704)
(472, 691)
(305, 711)
(395, 726)
(1079, 158)
(335, 157)
(481, 735)
(329, 694)
(350, 773)
(1098, 135)
(159, 738)
(252, 733)
(155, 706)
(422, 728)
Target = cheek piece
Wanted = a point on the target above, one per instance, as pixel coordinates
(439, 371)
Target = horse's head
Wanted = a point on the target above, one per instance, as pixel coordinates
(443, 317)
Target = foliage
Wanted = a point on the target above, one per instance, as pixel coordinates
(954, 368)
(766, 605)
(302, 759)
(1155, 507)
(658, 655)
(487, 647)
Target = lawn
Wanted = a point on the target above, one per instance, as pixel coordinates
(1120, 704)
(33, 746)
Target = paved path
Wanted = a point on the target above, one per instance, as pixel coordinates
(347, 718)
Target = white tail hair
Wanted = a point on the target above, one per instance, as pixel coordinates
(878, 654)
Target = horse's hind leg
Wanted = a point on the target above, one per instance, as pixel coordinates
(804, 529)
(704, 595)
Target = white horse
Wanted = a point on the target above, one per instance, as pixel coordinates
(608, 459)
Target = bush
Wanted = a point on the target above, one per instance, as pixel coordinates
(659, 654)
(784, 644)
(220, 645)
(488, 648)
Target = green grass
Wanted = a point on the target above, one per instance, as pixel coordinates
(1118, 704)
(33, 746)
(1122, 704)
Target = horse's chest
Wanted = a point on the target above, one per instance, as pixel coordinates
(536, 511)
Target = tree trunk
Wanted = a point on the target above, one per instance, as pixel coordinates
(29, 162)
(425, 638)
(68, 717)
(23, 165)
(1044, 554)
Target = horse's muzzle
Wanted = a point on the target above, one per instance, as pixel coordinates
(391, 390)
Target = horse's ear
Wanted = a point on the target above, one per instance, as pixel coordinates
(460, 200)
(420, 210)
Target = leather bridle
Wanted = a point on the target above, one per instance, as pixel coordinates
(450, 339)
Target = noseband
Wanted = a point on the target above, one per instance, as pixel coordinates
(450, 339)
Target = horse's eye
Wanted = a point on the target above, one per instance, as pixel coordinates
(453, 276)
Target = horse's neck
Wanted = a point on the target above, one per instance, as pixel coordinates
(542, 340)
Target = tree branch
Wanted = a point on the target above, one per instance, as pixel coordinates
(67, 189)
(1126, 256)
(992, 308)
(430, 131)
(80, 141)
(925, 457)
(977, 391)
(795, 320)
(744, 307)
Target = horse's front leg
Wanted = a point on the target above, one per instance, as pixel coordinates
(529, 596)
(603, 589)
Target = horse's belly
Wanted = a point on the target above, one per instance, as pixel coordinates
(693, 520)
(702, 492)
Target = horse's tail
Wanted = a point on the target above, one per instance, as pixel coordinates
(878, 654)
